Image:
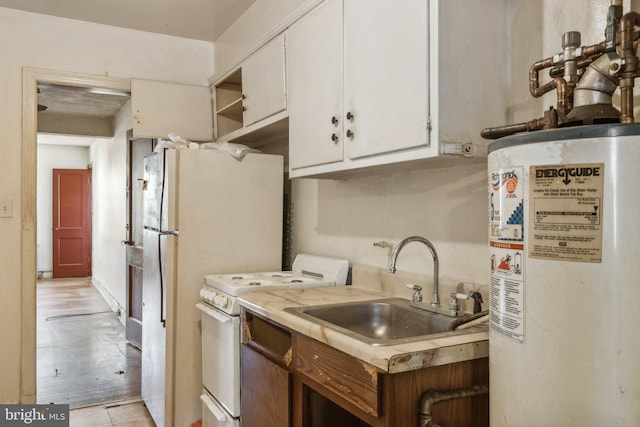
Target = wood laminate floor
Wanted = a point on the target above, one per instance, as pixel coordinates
(82, 354)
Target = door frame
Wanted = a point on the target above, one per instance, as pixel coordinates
(30, 79)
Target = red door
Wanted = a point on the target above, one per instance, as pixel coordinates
(71, 222)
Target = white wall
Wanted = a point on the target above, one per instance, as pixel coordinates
(52, 157)
(41, 41)
(447, 206)
(109, 163)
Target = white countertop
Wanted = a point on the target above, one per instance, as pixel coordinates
(389, 358)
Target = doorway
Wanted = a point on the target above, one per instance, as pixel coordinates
(31, 79)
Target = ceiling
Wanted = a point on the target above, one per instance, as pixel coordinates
(193, 19)
(81, 111)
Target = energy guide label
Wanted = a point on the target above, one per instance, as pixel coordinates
(507, 250)
(566, 212)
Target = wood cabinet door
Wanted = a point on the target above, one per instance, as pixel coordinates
(314, 87)
(386, 75)
(263, 82)
(265, 398)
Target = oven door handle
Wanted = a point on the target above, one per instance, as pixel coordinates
(220, 416)
(214, 313)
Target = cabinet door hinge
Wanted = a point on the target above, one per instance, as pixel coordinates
(429, 124)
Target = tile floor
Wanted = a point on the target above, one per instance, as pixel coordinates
(122, 414)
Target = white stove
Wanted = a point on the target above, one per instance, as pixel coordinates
(309, 271)
(221, 327)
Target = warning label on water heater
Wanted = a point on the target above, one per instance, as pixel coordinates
(506, 251)
(565, 212)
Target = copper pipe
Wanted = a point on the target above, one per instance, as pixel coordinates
(582, 64)
(430, 398)
(550, 120)
(502, 131)
(594, 49)
(589, 54)
(627, 24)
(564, 103)
(534, 83)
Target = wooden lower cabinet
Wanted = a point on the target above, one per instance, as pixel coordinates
(315, 385)
(265, 396)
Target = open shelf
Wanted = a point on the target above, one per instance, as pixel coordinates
(229, 103)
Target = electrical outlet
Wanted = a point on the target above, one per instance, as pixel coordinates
(6, 207)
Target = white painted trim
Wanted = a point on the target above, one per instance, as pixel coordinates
(30, 79)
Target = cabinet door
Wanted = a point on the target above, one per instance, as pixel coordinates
(314, 87)
(160, 108)
(265, 391)
(263, 82)
(386, 75)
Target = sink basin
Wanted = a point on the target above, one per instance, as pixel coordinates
(379, 322)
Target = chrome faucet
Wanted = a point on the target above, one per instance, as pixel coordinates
(435, 297)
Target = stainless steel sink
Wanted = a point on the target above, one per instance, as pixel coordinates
(379, 322)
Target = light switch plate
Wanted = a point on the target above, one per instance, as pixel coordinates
(6, 208)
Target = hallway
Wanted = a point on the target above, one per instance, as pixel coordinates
(82, 355)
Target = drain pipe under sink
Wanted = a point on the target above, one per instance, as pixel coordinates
(430, 398)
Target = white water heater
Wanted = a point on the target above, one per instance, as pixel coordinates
(564, 254)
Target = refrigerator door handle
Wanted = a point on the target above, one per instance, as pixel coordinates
(162, 302)
(161, 232)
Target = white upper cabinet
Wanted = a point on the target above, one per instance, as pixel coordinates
(254, 95)
(314, 82)
(385, 76)
(161, 108)
(263, 82)
(382, 82)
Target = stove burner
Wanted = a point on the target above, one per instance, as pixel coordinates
(254, 283)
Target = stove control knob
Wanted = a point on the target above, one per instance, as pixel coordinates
(210, 295)
(225, 301)
(203, 292)
(221, 301)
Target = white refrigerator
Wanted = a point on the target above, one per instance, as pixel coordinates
(205, 212)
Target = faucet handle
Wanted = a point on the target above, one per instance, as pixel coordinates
(453, 305)
(417, 295)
